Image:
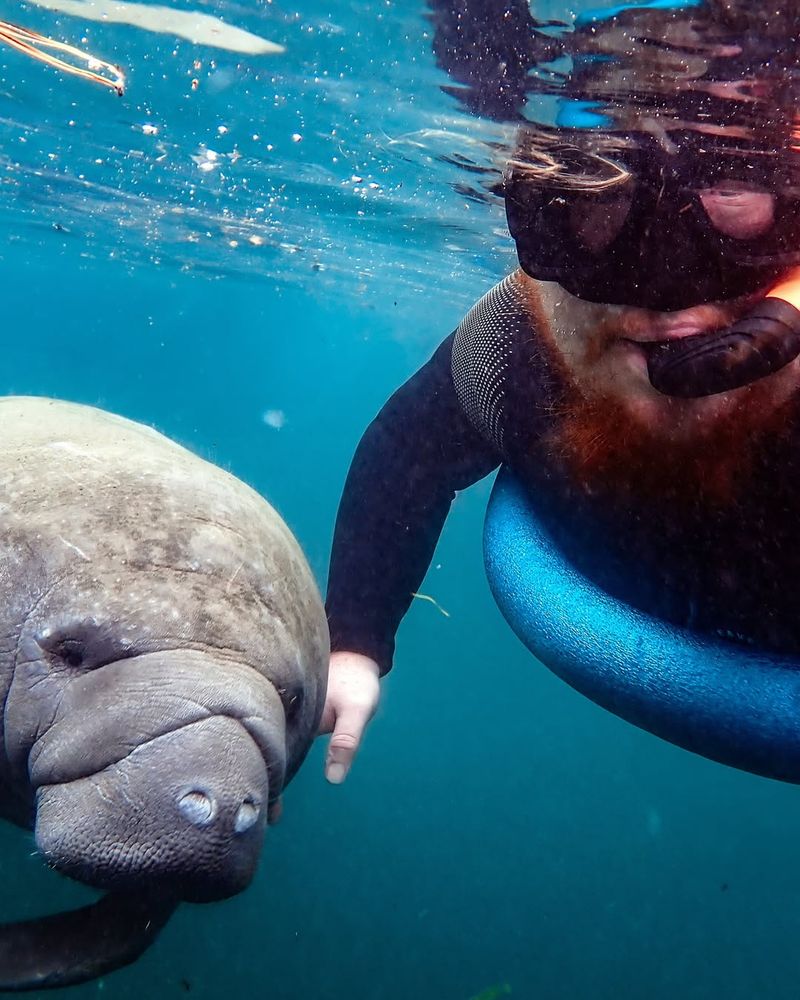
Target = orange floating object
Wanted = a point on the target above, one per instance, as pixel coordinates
(788, 288)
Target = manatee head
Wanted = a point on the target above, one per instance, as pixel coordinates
(165, 671)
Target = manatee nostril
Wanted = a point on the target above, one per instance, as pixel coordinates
(199, 808)
(246, 816)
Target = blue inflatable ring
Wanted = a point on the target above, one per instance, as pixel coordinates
(724, 701)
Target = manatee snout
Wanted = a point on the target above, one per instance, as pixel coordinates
(171, 791)
(186, 812)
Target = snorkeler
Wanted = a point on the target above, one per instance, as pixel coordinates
(638, 374)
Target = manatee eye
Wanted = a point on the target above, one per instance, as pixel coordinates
(84, 644)
(71, 651)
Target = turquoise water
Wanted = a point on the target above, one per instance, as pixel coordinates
(497, 828)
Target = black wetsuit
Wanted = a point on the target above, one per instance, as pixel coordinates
(489, 396)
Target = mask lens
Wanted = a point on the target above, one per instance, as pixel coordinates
(737, 211)
(596, 220)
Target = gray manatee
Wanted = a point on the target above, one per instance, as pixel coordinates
(163, 657)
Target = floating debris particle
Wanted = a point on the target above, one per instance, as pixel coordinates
(274, 418)
(437, 605)
(206, 159)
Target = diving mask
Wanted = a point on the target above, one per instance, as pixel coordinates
(668, 231)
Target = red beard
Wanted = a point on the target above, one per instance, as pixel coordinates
(603, 447)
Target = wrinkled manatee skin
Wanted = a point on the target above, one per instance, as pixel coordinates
(163, 653)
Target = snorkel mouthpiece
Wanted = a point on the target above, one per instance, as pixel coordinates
(759, 344)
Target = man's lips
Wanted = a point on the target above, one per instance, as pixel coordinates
(658, 328)
(688, 323)
(680, 330)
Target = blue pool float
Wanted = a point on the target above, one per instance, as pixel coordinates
(736, 705)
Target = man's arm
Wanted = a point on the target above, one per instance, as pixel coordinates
(415, 455)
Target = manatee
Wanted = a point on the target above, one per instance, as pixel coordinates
(163, 657)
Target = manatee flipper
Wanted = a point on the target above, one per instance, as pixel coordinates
(65, 949)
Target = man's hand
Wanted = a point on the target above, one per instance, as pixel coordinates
(353, 691)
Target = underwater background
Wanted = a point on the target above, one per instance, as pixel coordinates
(250, 253)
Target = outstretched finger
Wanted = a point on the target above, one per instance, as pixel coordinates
(344, 743)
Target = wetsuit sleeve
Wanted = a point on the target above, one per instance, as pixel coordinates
(413, 457)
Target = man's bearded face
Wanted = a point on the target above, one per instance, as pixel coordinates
(616, 426)
(599, 350)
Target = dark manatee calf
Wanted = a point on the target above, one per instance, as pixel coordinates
(163, 650)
